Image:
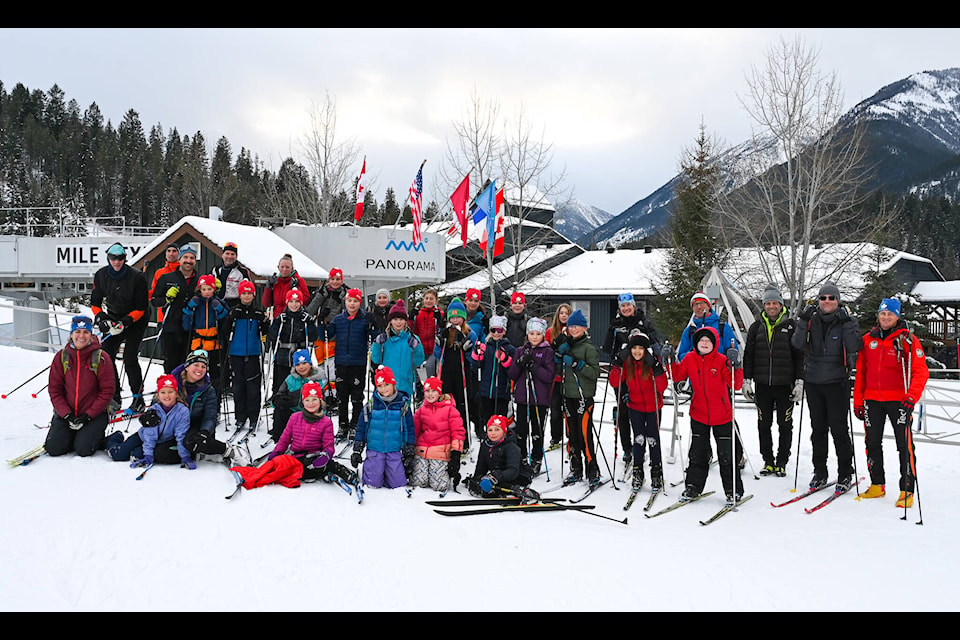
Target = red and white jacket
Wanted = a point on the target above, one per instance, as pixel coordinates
(880, 367)
(439, 429)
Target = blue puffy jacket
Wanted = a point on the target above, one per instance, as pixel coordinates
(387, 426)
(174, 425)
(402, 353)
(353, 336)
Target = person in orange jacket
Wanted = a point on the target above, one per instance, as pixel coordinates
(891, 375)
(712, 375)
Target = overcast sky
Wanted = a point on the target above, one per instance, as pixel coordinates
(617, 105)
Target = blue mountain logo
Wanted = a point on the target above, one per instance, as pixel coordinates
(403, 245)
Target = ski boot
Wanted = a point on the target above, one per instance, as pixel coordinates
(874, 491)
(237, 455)
(637, 483)
(905, 501)
(656, 478)
(769, 469)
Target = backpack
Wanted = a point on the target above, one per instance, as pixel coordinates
(94, 363)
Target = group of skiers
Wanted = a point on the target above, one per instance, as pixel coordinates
(440, 376)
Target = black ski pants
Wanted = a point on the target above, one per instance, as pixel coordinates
(829, 406)
(774, 400)
(877, 413)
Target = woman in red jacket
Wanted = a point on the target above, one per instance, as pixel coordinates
(891, 375)
(286, 279)
(641, 382)
(711, 376)
(440, 433)
(81, 386)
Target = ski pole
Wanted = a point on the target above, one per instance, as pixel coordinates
(596, 435)
(796, 471)
(911, 461)
(37, 392)
(24, 383)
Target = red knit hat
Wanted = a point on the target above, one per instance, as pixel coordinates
(500, 421)
(473, 294)
(384, 375)
(167, 381)
(355, 293)
(313, 390)
(336, 273)
(246, 286)
(208, 280)
(433, 383)
(294, 294)
(518, 297)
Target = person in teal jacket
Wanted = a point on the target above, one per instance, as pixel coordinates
(399, 350)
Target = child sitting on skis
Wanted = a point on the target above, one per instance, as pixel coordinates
(160, 438)
(308, 437)
(500, 470)
(440, 433)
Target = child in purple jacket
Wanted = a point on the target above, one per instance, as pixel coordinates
(309, 438)
(532, 371)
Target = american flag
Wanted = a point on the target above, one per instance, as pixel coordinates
(416, 205)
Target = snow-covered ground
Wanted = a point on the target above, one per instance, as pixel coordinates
(83, 535)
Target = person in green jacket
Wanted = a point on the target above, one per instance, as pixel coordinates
(579, 360)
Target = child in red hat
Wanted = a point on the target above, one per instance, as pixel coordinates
(386, 430)
(440, 435)
(201, 318)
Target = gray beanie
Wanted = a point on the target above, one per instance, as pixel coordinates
(829, 289)
(385, 292)
(772, 294)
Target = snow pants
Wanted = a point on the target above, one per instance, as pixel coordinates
(829, 407)
(774, 400)
(646, 433)
(85, 441)
(699, 465)
(384, 470)
(247, 379)
(877, 413)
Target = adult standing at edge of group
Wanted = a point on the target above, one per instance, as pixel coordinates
(891, 376)
(119, 303)
(829, 336)
(171, 256)
(172, 293)
(286, 279)
(80, 385)
(773, 378)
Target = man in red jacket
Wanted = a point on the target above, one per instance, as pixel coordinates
(81, 385)
(891, 375)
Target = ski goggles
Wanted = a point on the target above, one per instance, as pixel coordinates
(625, 298)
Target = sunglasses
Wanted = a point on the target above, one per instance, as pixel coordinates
(498, 330)
(828, 297)
(121, 258)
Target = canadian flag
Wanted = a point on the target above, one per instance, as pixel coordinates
(361, 192)
(498, 234)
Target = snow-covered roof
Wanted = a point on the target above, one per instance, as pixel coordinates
(937, 292)
(603, 273)
(257, 247)
(528, 259)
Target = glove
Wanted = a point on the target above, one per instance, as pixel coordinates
(217, 284)
(525, 361)
(907, 404)
(272, 280)
(150, 419)
(733, 357)
(142, 462)
(564, 348)
(503, 358)
(103, 322)
(573, 363)
(116, 328)
(478, 351)
(453, 467)
(172, 293)
(466, 345)
(624, 396)
(272, 455)
(188, 463)
(667, 352)
(357, 457)
(69, 417)
(747, 390)
(78, 421)
(649, 359)
(843, 314)
(318, 461)
(860, 412)
(797, 391)
(487, 483)
(683, 387)
(407, 456)
(807, 312)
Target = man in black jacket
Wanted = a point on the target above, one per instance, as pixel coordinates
(830, 338)
(776, 368)
(172, 293)
(119, 302)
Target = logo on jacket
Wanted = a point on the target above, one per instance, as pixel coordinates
(873, 344)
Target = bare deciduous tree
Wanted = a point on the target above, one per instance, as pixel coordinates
(803, 182)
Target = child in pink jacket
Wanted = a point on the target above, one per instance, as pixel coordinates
(440, 433)
(309, 438)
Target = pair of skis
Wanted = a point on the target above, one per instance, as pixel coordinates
(727, 508)
(500, 505)
(654, 493)
(28, 457)
(809, 492)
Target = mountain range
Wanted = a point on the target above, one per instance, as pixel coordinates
(912, 138)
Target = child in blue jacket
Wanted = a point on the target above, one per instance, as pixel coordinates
(160, 438)
(386, 429)
(201, 318)
(248, 327)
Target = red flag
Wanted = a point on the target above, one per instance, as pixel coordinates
(459, 202)
(416, 204)
(361, 193)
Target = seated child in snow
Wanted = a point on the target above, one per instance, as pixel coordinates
(440, 433)
(386, 429)
(160, 438)
(286, 400)
(500, 469)
(308, 437)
